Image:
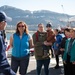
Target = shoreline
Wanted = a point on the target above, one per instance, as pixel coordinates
(12, 31)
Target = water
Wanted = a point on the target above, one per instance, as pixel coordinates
(10, 34)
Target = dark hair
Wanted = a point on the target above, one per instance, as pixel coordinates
(58, 30)
(49, 25)
(40, 24)
(26, 28)
(67, 29)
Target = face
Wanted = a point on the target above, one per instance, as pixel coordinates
(48, 28)
(55, 32)
(41, 28)
(67, 34)
(3, 25)
(21, 27)
(72, 34)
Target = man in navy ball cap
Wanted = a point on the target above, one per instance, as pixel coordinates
(4, 65)
(4, 17)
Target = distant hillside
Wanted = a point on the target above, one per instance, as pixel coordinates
(35, 17)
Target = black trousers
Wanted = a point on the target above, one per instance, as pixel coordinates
(57, 60)
(22, 63)
(69, 68)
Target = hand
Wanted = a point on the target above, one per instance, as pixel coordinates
(57, 45)
(49, 44)
(45, 42)
(61, 49)
(8, 48)
(64, 62)
(73, 63)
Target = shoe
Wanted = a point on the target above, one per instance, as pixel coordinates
(56, 67)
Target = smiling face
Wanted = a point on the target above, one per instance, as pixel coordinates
(67, 34)
(21, 27)
(72, 33)
(40, 27)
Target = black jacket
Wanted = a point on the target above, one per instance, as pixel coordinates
(62, 45)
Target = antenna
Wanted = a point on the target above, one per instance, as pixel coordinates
(65, 15)
(62, 8)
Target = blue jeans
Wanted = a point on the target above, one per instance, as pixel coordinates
(40, 63)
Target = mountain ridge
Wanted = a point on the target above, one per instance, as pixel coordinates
(32, 18)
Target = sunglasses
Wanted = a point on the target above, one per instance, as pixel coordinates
(21, 26)
(40, 27)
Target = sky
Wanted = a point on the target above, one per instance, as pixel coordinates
(60, 6)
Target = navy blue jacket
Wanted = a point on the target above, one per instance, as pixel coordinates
(2, 49)
(4, 65)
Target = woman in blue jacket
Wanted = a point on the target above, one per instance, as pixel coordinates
(20, 42)
(56, 47)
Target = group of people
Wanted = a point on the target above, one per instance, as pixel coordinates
(43, 41)
(21, 42)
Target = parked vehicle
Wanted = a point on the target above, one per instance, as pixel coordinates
(32, 51)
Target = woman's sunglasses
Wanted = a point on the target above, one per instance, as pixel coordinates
(21, 26)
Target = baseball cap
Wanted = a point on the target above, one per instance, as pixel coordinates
(4, 17)
(49, 25)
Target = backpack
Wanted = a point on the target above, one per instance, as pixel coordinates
(37, 36)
